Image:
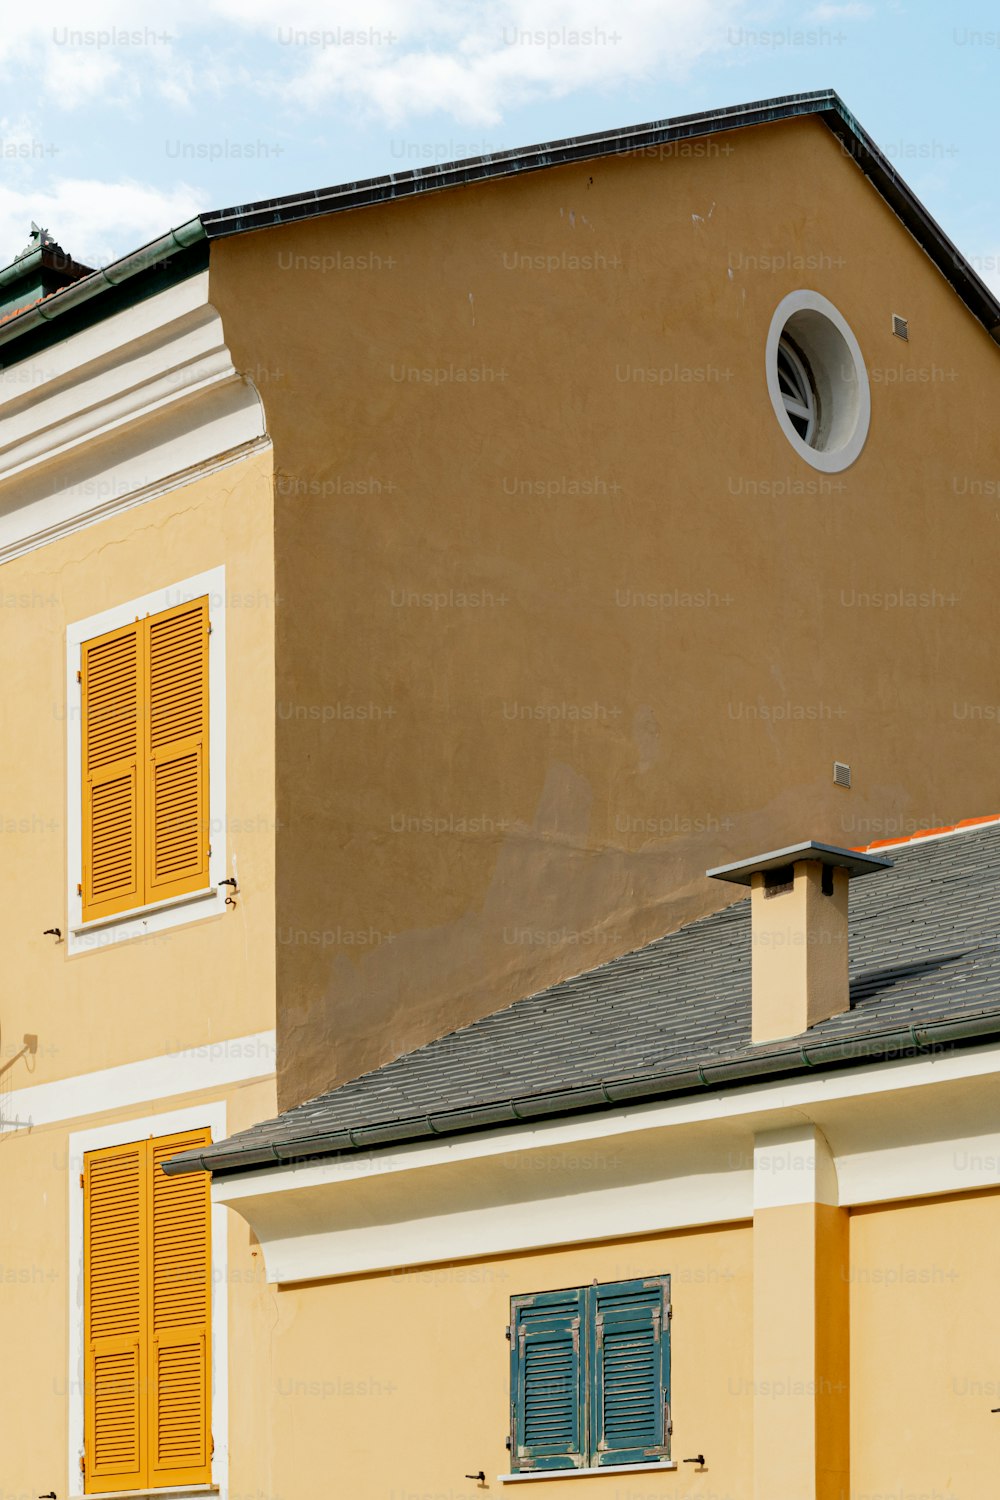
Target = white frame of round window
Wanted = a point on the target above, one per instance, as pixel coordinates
(819, 345)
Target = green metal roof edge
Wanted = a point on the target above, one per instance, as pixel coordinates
(825, 104)
(21, 267)
(162, 262)
(803, 1057)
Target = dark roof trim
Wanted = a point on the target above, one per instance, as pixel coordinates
(850, 860)
(824, 103)
(368, 191)
(219, 224)
(802, 1058)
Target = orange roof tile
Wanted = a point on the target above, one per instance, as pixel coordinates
(926, 833)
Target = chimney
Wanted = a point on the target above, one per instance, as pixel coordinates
(798, 922)
(42, 268)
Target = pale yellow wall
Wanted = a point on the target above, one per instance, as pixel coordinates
(36, 1289)
(197, 983)
(566, 840)
(801, 1438)
(925, 1348)
(400, 1384)
(253, 1315)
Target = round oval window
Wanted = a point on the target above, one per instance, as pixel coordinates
(817, 381)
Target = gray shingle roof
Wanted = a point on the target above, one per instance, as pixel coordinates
(674, 1017)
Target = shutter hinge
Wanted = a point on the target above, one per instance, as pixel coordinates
(507, 1332)
(210, 627)
(83, 1464)
(81, 1179)
(670, 1309)
(79, 888)
(79, 676)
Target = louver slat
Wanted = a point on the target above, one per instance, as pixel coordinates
(114, 1317)
(112, 786)
(177, 745)
(547, 1380)
(180, 1310)
(630, 1375)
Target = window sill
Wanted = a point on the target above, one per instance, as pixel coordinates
(167, 1493)
(134, 914)
(537, 1474)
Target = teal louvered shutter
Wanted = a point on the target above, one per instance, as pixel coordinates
(630, 1371)
(548, 1385)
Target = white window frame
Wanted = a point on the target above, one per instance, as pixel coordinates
(89, 937)
(120, 1134)
(842, 361)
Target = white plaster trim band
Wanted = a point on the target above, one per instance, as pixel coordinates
(646, 1170)
(161, 916)
(315, 1244)
(793, 1166)
(130, 498)
(187, 1071)
(107, 414)
(537, 1474)
(214, 1117)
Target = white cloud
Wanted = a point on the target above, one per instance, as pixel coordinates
(93, 221)
(851, 10)
(392, 59)
(75, 79)
(475, 63)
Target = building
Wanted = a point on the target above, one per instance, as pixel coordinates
(408, 590)
(750, 1219)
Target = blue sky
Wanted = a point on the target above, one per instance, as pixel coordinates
(114, 128)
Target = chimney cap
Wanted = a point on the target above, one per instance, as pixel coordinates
(850, 860)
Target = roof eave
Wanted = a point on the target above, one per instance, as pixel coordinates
(802, 1056)
(825, 104)
(154, 259)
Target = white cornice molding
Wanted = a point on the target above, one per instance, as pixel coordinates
(908, 1129)
(111, 416)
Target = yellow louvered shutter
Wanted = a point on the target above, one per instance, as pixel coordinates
(115, 1304)
(179, 1319)
(176, 801)
(111, 674)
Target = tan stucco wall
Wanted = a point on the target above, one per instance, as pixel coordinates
(37, 1301)
(197, 983)
(403, 1380)
(586, 752)
(925, 1335)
